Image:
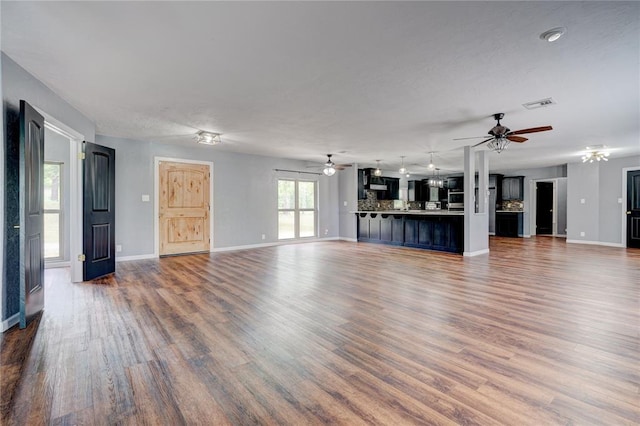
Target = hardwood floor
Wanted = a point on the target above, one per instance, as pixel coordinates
(538, 332)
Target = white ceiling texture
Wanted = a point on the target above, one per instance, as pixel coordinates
(361, 80)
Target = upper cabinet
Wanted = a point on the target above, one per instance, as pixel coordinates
(513, 188)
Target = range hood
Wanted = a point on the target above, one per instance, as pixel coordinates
(374, 183)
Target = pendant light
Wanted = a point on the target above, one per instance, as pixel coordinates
(431, 166)
(403, 169)
(377, 171)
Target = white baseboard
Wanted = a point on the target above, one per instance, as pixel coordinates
(51, 265)
(475, 253)
(596, 243)
(277, 243)
(351, 240)
(10, 322)
(136, 257)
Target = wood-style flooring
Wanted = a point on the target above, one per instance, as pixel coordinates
(538, 332)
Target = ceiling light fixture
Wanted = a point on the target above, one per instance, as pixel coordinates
(431, 166)
(329, 167)
(595, 155)
(377, 171)
(435, 181)
(498, 144)
(207, 138)
(553, 34)
(403, 169)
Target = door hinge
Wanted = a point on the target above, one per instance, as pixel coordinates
(82, 257)
(81, 156)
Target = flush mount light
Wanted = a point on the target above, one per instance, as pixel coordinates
(207, 138)
(553, 34)
(595, 153)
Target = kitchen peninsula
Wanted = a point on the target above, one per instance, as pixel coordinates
(440, 230)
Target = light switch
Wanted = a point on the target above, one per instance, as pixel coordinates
(582, 201)
(145, 198)
(345, 204)
(619, 200)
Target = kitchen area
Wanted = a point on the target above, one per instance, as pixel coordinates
(427, 211)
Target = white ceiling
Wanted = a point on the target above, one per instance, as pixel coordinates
(362, 80)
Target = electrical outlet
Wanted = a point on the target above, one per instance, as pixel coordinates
(145, 198)
(582, 234)
(326, 232)
(345, 204)
(583, 201)
(264, 237)
(118, 248)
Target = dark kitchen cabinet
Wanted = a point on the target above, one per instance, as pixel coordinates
(509, 224)
(393, 188)
(513, 188)
(455, 183)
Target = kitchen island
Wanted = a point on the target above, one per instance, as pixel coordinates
(440, 230)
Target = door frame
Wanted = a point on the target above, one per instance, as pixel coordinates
(533, 204)
(623, 207)
(156, 199)
(75, 190)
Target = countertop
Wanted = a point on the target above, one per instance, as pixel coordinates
(415, 212)
(509, 211)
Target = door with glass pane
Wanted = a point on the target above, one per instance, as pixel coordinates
(53, 249)
(297, 209)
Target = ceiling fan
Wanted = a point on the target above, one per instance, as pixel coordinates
(330, 167)
(501, 135)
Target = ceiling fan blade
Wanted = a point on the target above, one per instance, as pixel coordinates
(472, 137)
(343, 165)
(531, 130)
(484, 141)
(517, 138)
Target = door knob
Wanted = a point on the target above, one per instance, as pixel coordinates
(628, 212)
(18, 226)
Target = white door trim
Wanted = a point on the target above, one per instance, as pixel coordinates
(533, 205)
(75, 189)
(156, 199)
(623, 207)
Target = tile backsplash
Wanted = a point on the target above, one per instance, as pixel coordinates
(371, 203)
(511, 205)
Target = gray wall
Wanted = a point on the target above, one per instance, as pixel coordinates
(57, 149)
(529, 175)
(244, 194)
(600, 185)
(562, 206)
(348, 193)
(18, 84)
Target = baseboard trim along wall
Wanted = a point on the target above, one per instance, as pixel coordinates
(475, 253)
(136, 257)
(10, 322)
(596, 243)
(277, 243)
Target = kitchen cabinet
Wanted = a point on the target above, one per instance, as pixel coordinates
(367, 181)
(393, 189)
(513, 188)
(509, 224)
(455, 183)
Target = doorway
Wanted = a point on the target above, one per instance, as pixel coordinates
(631, 208)
(183, 216)
(544, 208)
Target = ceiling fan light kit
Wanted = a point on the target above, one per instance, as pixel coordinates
(501, 135)
(207, 138)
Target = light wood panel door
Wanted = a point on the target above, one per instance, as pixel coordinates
(184, 208)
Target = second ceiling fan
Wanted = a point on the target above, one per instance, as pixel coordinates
(502, 135)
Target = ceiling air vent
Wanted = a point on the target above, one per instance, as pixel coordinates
(539, 104)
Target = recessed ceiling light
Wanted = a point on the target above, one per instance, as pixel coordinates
(553, 34)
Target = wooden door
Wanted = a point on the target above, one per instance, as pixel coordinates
(633, 209)
(544, 208)
(184, 208)
(99, 214)
(31, 171)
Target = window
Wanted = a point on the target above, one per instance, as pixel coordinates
(53, 211)
(297, 210)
